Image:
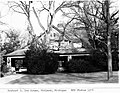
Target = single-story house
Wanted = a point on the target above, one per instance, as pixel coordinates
(16, 57)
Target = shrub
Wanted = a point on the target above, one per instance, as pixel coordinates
(80, 65)
(99, 60)
(115, 60)
(4, 68)
(39, 61)
(3, 64)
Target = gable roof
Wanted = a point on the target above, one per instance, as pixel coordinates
(71, 37)
(20, 52)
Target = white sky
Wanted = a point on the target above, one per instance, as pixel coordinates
(19, 22)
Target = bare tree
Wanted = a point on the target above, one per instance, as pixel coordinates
(50, 8)
(109, 21)
(23, 7)
(99, 23)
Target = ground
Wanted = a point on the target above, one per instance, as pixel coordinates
(60, 78)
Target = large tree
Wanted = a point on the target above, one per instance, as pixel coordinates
(24, 7)
(99, 24)
(109, 20)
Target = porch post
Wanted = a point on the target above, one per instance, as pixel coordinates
(69, 57)
(8, 62)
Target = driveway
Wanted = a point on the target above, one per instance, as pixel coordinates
(60, 78)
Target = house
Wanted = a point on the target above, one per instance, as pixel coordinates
(69, 41)
(70, 45)
(67, 46)
(15, 58)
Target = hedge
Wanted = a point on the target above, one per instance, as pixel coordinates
(80, 66)
(41, 62)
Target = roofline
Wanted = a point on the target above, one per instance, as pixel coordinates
(60, 54)
(72, 53)
(12, 55)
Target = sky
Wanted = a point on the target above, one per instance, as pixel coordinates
(19, 22)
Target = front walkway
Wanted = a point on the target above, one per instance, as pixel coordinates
(60, 78)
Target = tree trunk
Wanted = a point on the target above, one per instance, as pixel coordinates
(109, 57)
(108, 39)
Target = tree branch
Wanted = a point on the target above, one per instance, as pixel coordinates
(40, 24)
(59, 7)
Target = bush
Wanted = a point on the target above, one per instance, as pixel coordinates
(40, 61)
(3, 64)
(1, 74)
(4, 68)
(99, 60)
(115, 60)
(80, 65)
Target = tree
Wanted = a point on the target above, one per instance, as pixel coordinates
(99, 24)
(12, 41)
(25, 8)
(109, 21)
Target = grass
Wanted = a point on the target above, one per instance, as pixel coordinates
(65, 78)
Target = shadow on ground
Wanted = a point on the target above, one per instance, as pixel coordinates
(66, 78)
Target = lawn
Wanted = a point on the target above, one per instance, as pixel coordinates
(62, 78)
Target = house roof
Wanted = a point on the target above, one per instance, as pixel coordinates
(20, 52)
(72, 37)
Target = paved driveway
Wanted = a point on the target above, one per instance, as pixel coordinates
(60, 78)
